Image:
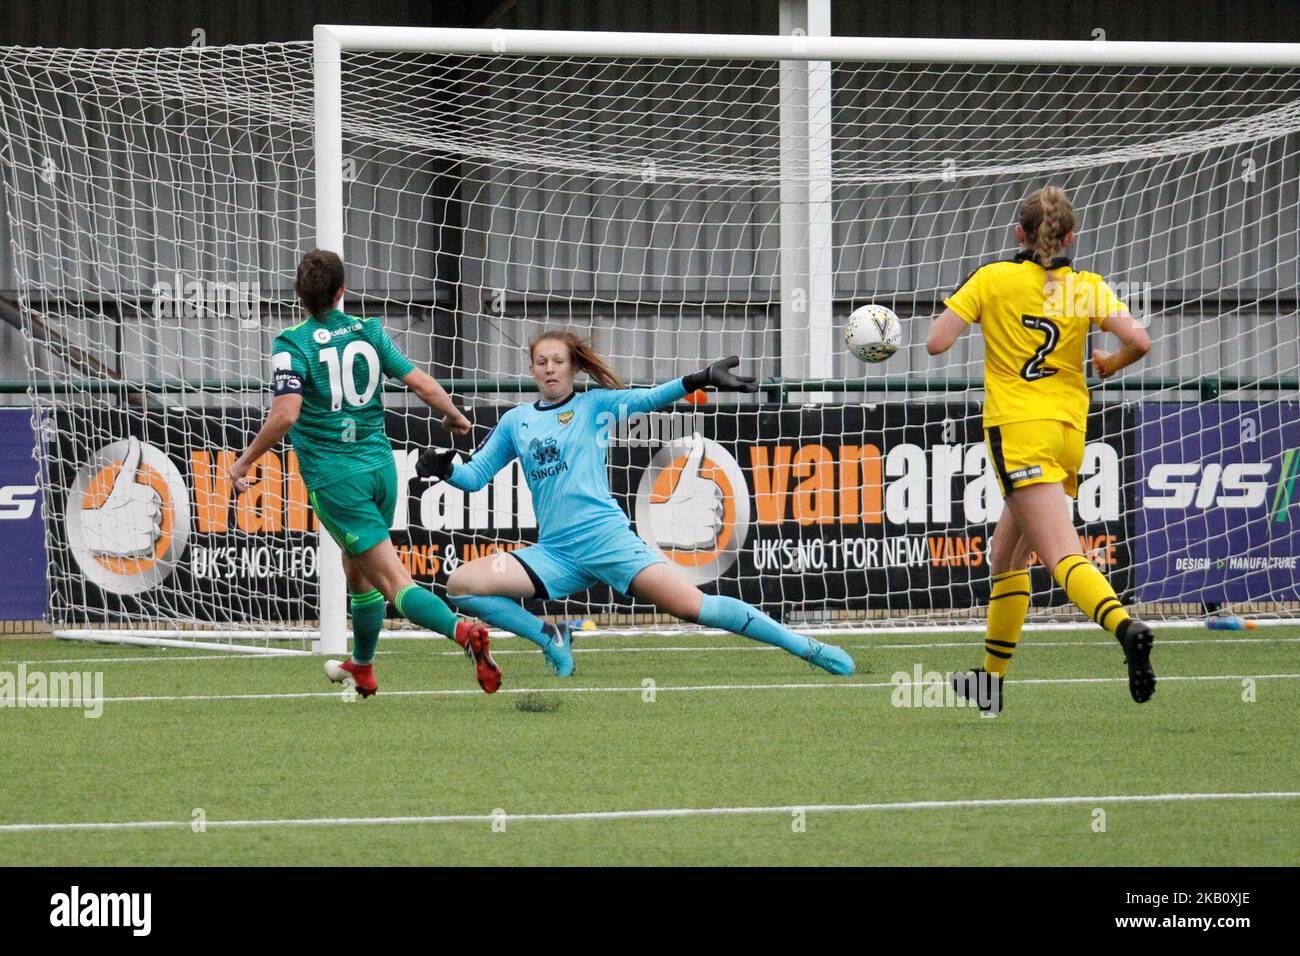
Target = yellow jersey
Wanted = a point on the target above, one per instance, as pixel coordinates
(1034, 338)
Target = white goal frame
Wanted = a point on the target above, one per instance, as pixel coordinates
(331, 41)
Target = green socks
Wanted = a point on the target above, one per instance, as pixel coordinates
(427, 610)
(367, 622)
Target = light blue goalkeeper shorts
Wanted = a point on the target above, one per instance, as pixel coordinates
(609, 556)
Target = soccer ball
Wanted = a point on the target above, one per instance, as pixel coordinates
(873, 333)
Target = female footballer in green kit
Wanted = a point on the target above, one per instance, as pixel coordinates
(327, 372)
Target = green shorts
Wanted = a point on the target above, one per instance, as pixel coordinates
(357, 511)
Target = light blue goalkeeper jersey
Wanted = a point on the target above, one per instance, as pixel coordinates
(562, 448)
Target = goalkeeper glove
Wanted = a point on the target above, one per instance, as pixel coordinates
(719, 376)
(436, 463)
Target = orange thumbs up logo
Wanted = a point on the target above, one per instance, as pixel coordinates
(692, 503)
(127, 517)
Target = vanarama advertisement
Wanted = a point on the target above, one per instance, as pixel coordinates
(849, 506)
(149, 524)
(813, 509)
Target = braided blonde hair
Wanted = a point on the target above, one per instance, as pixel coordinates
(1047, 217)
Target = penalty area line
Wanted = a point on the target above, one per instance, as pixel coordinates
(652, 814)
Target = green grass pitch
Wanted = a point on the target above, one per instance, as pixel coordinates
(770, 734)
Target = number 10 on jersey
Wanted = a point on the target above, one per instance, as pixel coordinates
(343, 382)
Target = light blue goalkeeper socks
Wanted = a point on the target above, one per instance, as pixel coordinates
(747, 621)
(722, 612)
(503, 613)
(740, 618)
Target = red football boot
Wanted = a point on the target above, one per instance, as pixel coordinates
(473, 636)
(363, 675)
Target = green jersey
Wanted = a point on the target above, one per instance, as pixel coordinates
(336, 363)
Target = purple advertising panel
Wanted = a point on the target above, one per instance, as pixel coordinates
(22, 558)
(1217, 515)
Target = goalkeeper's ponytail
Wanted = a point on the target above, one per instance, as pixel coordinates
(320, 277)
(582, 355)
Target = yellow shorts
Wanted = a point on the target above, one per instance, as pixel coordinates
(1035, 453)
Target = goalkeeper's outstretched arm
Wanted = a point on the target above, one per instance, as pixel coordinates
(717, 376)
(493, 453)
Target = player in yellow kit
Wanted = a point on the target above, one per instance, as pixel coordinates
(1036, 311)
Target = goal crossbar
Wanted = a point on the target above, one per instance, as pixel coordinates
(594, 43)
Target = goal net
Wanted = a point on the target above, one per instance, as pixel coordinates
(732, 197)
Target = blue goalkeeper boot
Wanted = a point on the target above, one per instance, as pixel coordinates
(828, 657)
(559, 652)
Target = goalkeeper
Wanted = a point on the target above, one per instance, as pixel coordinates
(326, 380)
(584, 537)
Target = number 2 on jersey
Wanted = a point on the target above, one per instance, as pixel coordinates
(1033, 369)
(343, 383)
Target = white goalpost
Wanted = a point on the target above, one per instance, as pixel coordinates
(678, 198)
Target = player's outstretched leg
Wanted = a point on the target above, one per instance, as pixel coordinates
(375, 572)
(663, 586)
(380, 566)
(428, 610)
(507, 615)
(748, 621)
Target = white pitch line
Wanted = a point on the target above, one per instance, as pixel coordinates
(652, 649)
(1107, 643)
(637, 689)
(150, 660)
(655, 814)
(893, 630)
